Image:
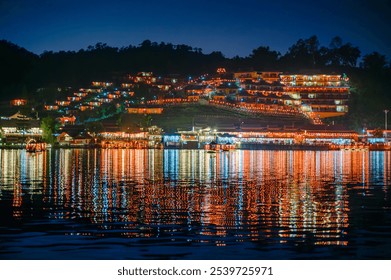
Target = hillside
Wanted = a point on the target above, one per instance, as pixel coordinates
(184, 117)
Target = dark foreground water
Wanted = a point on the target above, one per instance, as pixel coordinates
(190, 204)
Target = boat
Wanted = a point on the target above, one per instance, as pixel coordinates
(228, 147)
(213, 147)
(34, 147)
(380, 147)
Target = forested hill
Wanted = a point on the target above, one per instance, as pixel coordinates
(69, 68)
(22, 72)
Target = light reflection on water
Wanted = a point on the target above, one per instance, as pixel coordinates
(121, 204)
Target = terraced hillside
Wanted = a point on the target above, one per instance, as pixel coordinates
(184, 117)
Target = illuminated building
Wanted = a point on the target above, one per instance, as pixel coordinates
(102, 84)
(65, 120)
(196, 89)
(218, 98)
(85, 108)
(63, 103)
(243, 96)
(325, 95)
(163, 86)
(173, 101)
(227, 88)
(138, 140)
(172, 140)
(274, 109)
(18, 102)
(51, 107)
(257, 86)
(193, 98)
(74, 139)
(19, 128)
(247, 76)
(74, 98)
(269, 77)
(317, 96)
(265, 138)
(113, 95)
(144, 110)
(95, 103)
(81, 93)
(221, 70)
(127, 85)
(104, 100)
(145, 77)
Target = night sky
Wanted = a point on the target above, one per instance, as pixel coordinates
(232, 27)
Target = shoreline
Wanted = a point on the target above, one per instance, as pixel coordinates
(264, 147)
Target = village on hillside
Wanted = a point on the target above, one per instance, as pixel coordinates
(254, 110)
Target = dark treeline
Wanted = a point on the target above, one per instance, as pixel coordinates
(22, 72)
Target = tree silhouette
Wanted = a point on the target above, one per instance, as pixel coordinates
(374, 61)
(303, 54)
(48, 126)
(264, 58)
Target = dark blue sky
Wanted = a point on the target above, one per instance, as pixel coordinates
(233, 27)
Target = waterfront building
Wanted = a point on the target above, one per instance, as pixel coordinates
(120, 139)
(19, 128)
(377, 136)
(172, 140)
(74, 139)
(263, 138)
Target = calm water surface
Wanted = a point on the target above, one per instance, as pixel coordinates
(190, 204)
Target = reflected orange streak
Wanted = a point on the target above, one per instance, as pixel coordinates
(301, 193)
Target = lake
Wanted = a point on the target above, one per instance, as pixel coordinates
(191, 204)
